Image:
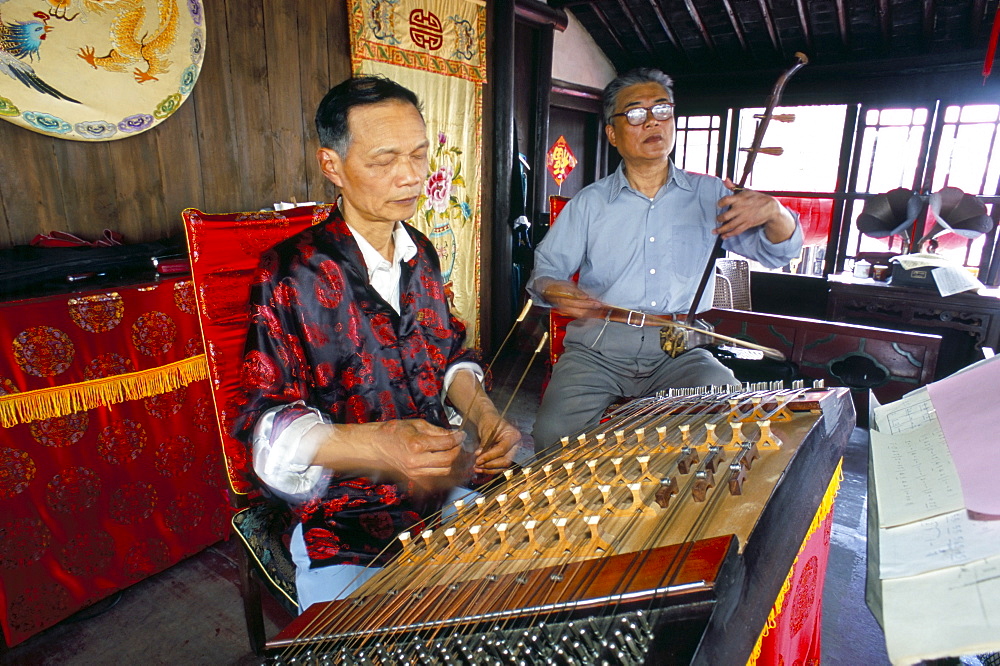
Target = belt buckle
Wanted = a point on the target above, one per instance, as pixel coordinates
(642, 321)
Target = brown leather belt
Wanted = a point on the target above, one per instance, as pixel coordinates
(639, 319)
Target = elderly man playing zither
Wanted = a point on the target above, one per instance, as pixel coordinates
(353, 359)
(640, 239)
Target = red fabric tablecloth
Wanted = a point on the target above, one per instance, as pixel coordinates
(793, 632)
(97, 499)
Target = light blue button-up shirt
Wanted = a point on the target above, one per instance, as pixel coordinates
(647, 255)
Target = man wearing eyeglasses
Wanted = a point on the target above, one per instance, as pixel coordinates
(640, 240)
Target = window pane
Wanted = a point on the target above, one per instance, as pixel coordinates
(979, 113)
(810, 149)
(890, 150)
(968, 155)
(696, 144)
(896, 117)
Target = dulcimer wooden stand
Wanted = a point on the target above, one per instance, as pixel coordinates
(661, 537)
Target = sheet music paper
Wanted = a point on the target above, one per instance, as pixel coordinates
(968, 407)
(954, 280)
(916, 478)
(907, 413)
(948, 540)
(931, 615)
(935, 578)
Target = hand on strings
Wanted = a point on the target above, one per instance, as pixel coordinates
(411, 449)
(569, 300)
(498, 441)
(746, 209)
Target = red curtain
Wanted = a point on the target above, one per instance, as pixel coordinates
(815, 215)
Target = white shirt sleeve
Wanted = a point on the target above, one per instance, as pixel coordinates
(284, 462)
(454, 417)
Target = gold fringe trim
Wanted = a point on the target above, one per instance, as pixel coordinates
(58, 401)
(825, 507)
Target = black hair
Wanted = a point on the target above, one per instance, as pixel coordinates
(331, 116)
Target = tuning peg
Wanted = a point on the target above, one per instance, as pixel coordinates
(767, 151)
(780, 117)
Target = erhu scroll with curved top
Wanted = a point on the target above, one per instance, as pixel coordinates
(756, 147)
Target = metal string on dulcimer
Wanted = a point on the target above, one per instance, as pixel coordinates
(594, 553)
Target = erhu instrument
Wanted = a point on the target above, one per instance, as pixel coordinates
(755, 147)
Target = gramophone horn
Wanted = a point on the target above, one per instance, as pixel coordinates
(889, 214)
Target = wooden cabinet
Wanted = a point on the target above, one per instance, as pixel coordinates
(966, 322)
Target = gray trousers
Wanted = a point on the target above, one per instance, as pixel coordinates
(617, 361)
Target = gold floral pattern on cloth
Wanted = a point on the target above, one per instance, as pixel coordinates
(194, 346)
(32, 609)
(7, 386)
(174, 456)
(184, 512)
(146, 558)
(87, 553)
(805, 595)
(154, 333)
(73, 490)
(43, 351)
(98, 313)
(184, 296)
(23, 540)
(122, 441)
(108, 365)
(133, 502)
(167, 404)
(17, 470)
(60, 431)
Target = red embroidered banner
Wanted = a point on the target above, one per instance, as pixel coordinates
(98, 499)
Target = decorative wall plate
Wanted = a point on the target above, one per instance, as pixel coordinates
(97, 70)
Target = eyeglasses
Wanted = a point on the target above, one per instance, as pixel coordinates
(638, 115)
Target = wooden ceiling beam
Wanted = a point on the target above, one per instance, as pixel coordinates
(594, 7)
(800, 7)
(662, 20)
(636, 28)
(885, 21)
(976, 16)
(735, 22)
(927, 23)
(765, 11)
(842, 21)
(696, 17)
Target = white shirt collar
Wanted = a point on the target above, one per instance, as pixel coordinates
(405, 249)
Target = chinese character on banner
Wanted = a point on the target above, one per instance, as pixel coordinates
(560, 160)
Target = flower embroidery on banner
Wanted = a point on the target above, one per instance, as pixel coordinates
(444, 201)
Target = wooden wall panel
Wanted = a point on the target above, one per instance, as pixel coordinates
(241, 141)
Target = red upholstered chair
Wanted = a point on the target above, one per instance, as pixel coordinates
(225, 250)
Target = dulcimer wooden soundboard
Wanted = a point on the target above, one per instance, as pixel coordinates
(662, 536)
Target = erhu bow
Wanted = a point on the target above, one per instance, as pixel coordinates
(756, 147)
